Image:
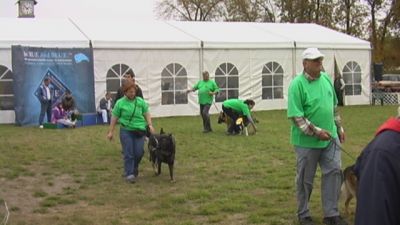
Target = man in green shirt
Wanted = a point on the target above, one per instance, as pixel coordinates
(206, 90)
(316, 134)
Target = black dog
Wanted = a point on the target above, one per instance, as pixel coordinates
(162, 149)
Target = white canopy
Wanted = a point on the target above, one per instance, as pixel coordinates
(233, 35)
(59, 33)
(125, 34)
(306, 35)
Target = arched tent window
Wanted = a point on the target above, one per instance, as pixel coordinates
(352, 78)
(272, 81)
(174, 85)
(227, 79)
(6, 89)
(114, 77)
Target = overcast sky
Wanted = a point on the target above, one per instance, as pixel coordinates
(133, 9)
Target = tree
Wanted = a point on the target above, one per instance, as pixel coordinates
(251, 10)
(392, 54)
(190, 10)
(350, 18)
(385, 9)
(308, 11)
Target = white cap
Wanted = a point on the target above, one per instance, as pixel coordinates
(312, 53)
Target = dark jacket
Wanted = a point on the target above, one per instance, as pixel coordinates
(43, 94)
(68, 102)
(378, 172)
(103, 103)
(120, 94)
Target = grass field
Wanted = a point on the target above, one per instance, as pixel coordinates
(73, 176)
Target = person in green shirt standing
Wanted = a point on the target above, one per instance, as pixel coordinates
(206, 90)
(316, 134)
(133, 114)
(235, 108)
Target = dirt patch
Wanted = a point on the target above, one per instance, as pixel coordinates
(20, 193)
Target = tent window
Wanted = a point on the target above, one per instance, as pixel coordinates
(6, 89)
(115, 76)
(227, 79)
(173, 85)
(352, 78)
(272, 81)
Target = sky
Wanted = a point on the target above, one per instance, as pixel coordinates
(132, 9)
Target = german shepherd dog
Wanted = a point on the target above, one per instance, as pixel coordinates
(242, 122)
(349, 186)
(162, 150)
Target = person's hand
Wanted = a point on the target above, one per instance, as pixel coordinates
(324, 135)
(151, 129)
(110, 135)
(341, 137)
(188, 90)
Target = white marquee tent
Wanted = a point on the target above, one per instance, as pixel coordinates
(248, 60)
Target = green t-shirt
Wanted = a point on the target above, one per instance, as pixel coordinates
(204, 87)
(316, 101)
(238, 106)
(123, 110)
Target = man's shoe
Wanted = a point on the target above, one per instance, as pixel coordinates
(334, 220)
(306, 221)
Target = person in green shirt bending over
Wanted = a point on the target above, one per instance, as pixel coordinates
(206, 90)
(316, 134)
(133, 114)
(235, 108)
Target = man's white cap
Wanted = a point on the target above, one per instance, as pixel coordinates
(312, 53)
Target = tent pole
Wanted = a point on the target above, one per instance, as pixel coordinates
(294, 60)
(201, 55)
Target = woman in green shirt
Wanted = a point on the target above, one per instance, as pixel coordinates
(236, 108)
(133, 114)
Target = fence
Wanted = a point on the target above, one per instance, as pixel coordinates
(386, 98)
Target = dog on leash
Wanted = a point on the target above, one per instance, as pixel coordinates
(241, 122)
(349, 186)
(162, 150)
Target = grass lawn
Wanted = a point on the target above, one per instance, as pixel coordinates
(73, 176)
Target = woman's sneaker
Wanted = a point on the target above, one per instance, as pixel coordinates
(130, 179)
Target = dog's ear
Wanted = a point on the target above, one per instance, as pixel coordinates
(162, 131)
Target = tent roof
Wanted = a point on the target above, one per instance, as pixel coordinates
(40, 33)
(125, 34)
(313, 35)
(131, 34)
(232, 35)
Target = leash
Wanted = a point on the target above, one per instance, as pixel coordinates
(5, 219)
(215, 105)
(333, 141)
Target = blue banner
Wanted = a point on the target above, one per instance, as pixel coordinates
(67, 68)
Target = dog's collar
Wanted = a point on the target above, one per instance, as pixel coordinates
(156, 141)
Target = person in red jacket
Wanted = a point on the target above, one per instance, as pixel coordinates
(378, 173)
